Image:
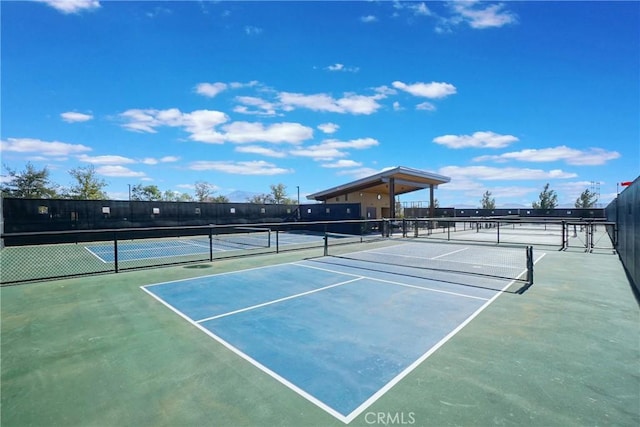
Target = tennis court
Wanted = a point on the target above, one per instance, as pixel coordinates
(137, 250)
(342, 330)
(361, 336)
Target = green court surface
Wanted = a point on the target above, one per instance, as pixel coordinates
(99, 351)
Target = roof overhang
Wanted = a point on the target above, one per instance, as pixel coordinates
(405, 180)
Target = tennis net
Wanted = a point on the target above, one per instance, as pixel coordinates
(514, 264)
(256, 237)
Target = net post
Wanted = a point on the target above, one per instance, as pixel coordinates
(277, 242)
(268, 237)
(449, 230)
(498, 231)
(115, 251)
(326, 244)
(586, 237)
(529, 265)
(404, 227)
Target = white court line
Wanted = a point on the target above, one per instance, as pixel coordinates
(96, 255)
(397, 283)
(219, 274)
(450, 253)
(278, 300)
(377, 395)
(252, 361)
(355, 413)
(194, 244)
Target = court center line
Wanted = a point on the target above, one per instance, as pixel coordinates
(450, 253)
(278, 300)
(198, 245)
(396, 283)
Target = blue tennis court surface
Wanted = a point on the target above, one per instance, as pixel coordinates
(339, 335)
(137, 250)
(132, 251)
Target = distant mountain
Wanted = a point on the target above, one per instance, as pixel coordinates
(240, 196)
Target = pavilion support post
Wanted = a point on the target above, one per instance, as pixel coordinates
(432, 207)
(392, 197)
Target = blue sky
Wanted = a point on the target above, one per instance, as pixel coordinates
(502, 97)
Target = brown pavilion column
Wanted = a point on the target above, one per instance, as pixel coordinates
(432, 208)
(392, 197)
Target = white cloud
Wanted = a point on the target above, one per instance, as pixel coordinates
(343, 68)
(200, 123)
(318, 152)
(165, 159)
(192, 186)
(250, 30)
(358, 144)
(433, 90)
(169, 159)
(210, 89)
(426, 106)
(349, 103)
(73, 117)
(368, 19)
(480, 15)
(258, 167)
(105, 160)
(47, 148)
(385, 91)
(118, 171)
(478, 139)
(571, 156)
(420, 9)
(358, 172)
(331, 148)
(492, 174)
(328, 127)
(239, 85)
(292, 133)
(397, 106)
(72, 6)
(255, 149)
(342, 164)
(265, 108)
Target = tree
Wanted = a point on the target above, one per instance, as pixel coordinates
(87, 185)
(30, 183)
(175, 196)
(219, 199)
(146, 193)
(548, 199)
(277, 196)
(587, 199)
(203, 191)
(260, 199)
(487, 201)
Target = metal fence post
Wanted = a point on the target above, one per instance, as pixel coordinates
(115, 251)
(210, 244)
